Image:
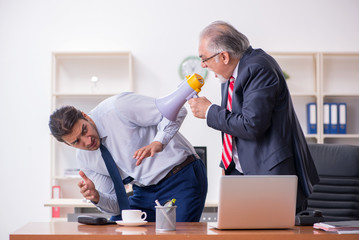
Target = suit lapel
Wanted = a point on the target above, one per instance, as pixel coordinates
(224, 94)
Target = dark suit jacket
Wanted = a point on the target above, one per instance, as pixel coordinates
(263, 121)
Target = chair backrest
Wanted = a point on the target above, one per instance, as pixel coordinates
(202, 153)
(337, 193)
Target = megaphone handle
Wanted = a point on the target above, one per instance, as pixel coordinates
(192, 95)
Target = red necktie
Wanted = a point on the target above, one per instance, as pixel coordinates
(227, 139)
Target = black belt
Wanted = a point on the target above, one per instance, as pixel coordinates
(179, 167)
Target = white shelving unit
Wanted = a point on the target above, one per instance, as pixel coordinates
(341, 84)
(323, 77)
(82, 79)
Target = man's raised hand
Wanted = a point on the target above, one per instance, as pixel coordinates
(87, 188)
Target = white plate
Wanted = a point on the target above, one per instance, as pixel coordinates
(131, 224)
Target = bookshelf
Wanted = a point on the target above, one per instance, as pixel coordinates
(340, 81)
(323, 77)
(82, 79)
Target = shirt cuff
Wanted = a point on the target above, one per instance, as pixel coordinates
(101, 200)
(161, 137)
(104, 203)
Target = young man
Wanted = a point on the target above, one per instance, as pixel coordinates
(147, 149)
(260, 130)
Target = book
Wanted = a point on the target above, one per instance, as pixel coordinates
(337, 226)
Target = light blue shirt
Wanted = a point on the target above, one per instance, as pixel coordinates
(125, 123)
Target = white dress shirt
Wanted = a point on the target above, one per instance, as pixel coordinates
(125, 123)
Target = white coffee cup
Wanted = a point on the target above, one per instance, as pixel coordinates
(133, 215)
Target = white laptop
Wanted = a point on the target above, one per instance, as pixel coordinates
(256, 202)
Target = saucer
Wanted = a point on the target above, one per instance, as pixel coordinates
(131, 224)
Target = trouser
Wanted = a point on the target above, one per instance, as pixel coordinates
(188, 187)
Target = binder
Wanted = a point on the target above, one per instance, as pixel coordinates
(56, 192)
(342, 118)
(333, 118)
(326, 117)
(312, 118)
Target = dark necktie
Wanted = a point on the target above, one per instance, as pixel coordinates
(116, 178)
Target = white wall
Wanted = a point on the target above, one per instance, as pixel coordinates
(160, 34)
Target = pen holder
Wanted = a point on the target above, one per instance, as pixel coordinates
(165, 218)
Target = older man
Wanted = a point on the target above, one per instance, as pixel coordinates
(260, 130)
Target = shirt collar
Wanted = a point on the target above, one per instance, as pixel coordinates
(100, 130)
(235, 72)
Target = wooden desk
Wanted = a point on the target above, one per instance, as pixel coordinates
(81, 203)
(195, 231)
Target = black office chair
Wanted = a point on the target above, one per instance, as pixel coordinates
(202, 153)
(337, 193)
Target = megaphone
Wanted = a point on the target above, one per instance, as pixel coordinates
(171, 104)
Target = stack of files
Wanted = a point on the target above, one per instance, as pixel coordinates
(340, 227)
(335, 118)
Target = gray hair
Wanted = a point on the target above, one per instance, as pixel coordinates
(223, 37)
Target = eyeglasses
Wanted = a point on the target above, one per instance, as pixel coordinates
(205, 60)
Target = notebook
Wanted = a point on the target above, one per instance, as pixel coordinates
(256, 202)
